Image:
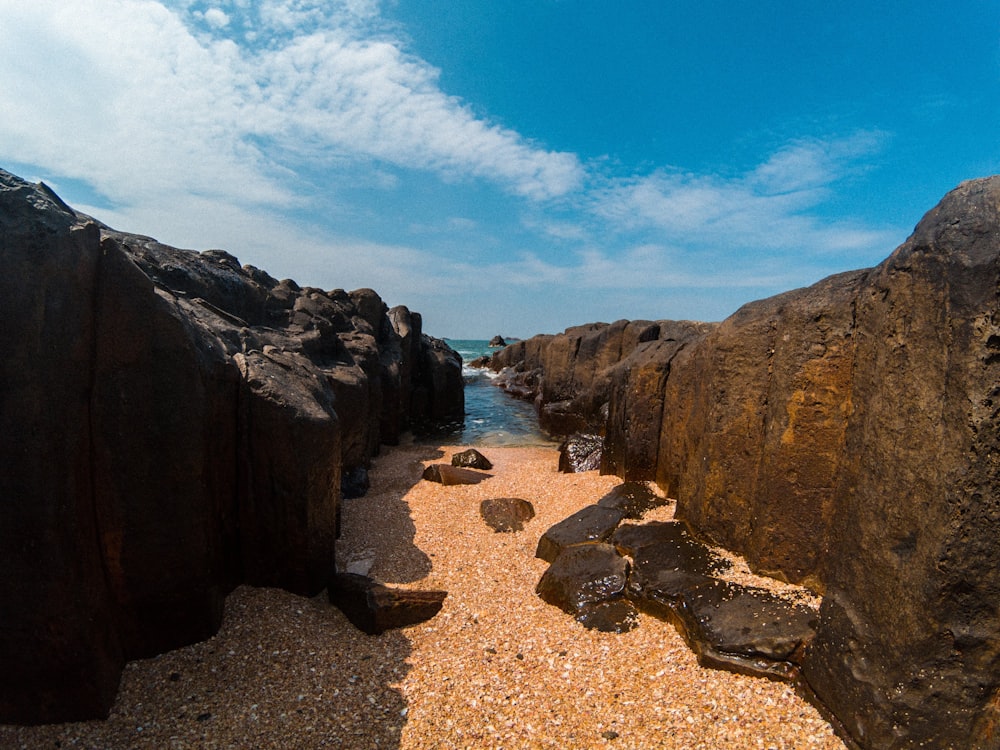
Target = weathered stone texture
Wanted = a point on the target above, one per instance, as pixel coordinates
(846, 436)
(173, 424)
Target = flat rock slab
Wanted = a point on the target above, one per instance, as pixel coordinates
(667, 545)
(633, 499)
(374, 608)
(582, 575)
(451, 475)
(580, 453)
(506, 514)
(590, 524)
(746, 629)
(471, 459)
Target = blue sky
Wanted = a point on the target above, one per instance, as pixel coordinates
(514, 166)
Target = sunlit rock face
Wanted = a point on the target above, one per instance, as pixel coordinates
(845, 436)
(174, 424)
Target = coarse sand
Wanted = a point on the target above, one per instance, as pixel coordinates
(496, 668)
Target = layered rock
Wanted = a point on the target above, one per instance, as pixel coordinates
(846, 436)
(174, 424)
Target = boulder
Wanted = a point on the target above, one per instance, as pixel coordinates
(471, 459)
(497, 341)
(590, 524)
(506, 513)
(580, 453)
(450, 475)
(584, 576)
(374, 608)
(609, 616)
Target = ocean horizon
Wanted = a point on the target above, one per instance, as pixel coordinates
(492, 418)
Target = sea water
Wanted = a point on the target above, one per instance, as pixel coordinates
(491, 416)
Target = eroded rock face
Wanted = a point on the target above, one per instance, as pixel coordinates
(844, 436)
(175, 424)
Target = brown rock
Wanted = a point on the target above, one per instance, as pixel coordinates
(583, 575)
(451, 475)
(590, 524)
(580, 453)
(506, 513)
(471, 459)
(374, 608)
(633, 499)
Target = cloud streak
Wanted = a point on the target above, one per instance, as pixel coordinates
(142, 99)
(770, 208)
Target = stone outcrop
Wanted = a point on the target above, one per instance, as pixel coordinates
(846, 436)
(174, 424)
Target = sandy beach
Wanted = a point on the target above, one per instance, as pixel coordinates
(497, 668)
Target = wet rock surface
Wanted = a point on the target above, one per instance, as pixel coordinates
(506, 514)
(471, 459)
(745, 629)
(590, 524)
(633, 499)
(580, 453)
(672, 576)
(374, 608)
(584, 574)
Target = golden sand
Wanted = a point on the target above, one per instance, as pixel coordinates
(496, 668)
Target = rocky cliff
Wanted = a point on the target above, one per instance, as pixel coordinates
(173, 424)
(847, 436)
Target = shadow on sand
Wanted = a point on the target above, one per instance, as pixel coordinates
(283, 671)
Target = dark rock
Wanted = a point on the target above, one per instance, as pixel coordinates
(175, 425)
(633, 499)
(471, 459)
(590, 524)
(450, 475)
(907, 648)
(480, 362)
(497, 341)
(747, 630)
(667, 545)
(666, 563)
(355, 483)
(582, 575)
(374, 608)
(610, 616)
(580, 453)
(506, 513)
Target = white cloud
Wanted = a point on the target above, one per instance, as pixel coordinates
(126, 95)
(775, 206)
(216, 18)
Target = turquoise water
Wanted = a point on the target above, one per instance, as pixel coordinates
(491, 416)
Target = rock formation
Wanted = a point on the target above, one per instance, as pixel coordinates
(846, 436)
(173, 425)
